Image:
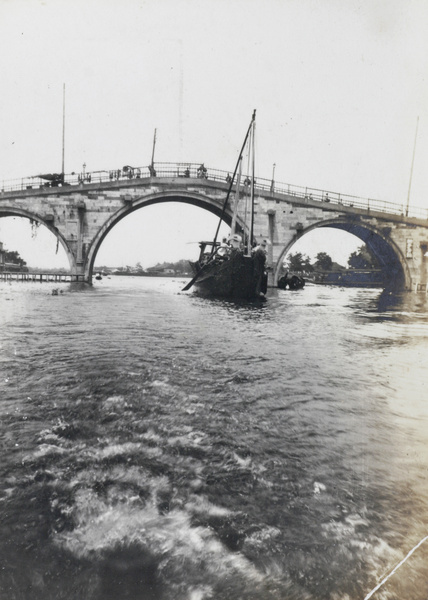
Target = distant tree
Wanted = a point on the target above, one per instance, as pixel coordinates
(179, 267)
(182, 266)
(307, 265)
(323, 261)
(362, 259)
(11, 256)
(337, 267)
(138, 267)
(298, 262)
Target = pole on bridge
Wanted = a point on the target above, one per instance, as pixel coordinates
(152, 163)
(63, 130)
(411, 169)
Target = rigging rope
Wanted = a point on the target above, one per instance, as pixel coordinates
(385, 579)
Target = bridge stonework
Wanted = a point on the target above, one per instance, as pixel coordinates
(81, 215)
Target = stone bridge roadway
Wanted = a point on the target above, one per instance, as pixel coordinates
(82, 210)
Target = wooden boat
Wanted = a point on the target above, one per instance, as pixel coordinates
(234, 268)
(230, 275)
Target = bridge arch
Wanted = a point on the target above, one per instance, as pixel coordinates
(392, 262)
(214, 206)
(6, 211)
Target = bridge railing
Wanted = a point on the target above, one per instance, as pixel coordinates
(198, 171)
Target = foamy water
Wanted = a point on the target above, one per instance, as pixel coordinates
(157, 445)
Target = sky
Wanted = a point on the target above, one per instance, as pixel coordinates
(338, 86)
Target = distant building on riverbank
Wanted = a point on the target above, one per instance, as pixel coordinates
(350, 278)
(166, 269)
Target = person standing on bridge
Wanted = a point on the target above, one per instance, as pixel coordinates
(202, 172)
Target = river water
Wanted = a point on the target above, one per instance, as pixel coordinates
(161, 446)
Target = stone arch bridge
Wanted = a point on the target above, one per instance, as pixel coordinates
(80, 210)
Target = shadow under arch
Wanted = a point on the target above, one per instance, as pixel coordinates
(395, 271)
(6, 211)
(195, 199)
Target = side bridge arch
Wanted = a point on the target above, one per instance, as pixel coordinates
(394, 266)
(13, 211)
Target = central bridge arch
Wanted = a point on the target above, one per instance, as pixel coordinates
(391, 260)
(192, 198)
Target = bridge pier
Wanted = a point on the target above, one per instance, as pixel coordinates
(423, 277)
(80, 276)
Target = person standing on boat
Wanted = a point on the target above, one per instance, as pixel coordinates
(259, 256)
(261, 250)
(235, 241)
(224, 248)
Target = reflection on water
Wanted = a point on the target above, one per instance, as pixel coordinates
(159, 445)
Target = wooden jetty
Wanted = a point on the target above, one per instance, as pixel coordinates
(37, 277)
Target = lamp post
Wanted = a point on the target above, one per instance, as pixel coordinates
(272, 185)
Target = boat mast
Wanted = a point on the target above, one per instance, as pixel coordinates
(232, 180)
(247, 199)
(411, 169)
(250, 241)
